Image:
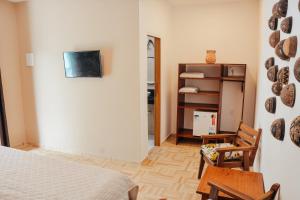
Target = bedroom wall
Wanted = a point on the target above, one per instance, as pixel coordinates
(279, 161)
(96, 116)
(231, 28)
(11, 74)
(155, 20)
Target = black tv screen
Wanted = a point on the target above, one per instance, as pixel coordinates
(83, 64)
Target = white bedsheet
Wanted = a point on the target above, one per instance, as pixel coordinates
(27, 176)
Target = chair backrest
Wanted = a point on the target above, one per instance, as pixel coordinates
(247, 136)
(217, 187)
(271, 194)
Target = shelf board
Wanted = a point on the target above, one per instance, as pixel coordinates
(208, 93)
(187, 133)
(226, 132)
(205, 78)
(201, 65)
(213, 65)
(234, 78)
(199, 106)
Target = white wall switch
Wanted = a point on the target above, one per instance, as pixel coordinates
(29, 60)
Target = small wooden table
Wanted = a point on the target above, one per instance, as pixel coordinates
(249, 183)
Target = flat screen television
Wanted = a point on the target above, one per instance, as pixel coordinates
(83, 64)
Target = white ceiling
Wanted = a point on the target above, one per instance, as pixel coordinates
(195, 2)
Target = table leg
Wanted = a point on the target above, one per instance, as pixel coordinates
(204, 197)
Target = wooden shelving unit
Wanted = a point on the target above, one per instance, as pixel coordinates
(214, 74)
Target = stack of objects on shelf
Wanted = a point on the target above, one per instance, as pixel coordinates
(200, 93)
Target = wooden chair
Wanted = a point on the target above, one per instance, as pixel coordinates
(216, 188)
(244, 142)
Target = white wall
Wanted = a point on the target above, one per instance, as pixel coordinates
(11, 74)
(85, 115)
(279, 161)
(155, 21)
(231, 28)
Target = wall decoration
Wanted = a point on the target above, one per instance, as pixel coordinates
(283, 75)
(280, 9)
(287, 24)
(273, 23)
(276, 88)
(297, 69)
(270, 104)
(278, 129)
(269, 63)
(272, 73)
(274, 38)
(290, 46)
(211, 56)
(279, 51)
(288, 95)
(295, 131)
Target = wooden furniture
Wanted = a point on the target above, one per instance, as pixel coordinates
(248, 183)
(208, 99)
(246, 140)
(216, 188)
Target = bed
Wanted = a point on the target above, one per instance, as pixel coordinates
(28, 176)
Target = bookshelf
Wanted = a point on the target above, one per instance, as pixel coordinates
(209, 98)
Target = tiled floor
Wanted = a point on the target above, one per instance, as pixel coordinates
(169, 172)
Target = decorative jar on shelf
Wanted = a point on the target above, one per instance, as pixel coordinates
(211, 56)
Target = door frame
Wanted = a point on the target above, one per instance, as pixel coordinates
(3, 121)
(157, 91)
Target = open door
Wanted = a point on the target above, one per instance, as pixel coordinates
(157, 90)
(154, 90)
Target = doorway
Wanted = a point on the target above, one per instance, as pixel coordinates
(4, 139)
(153, 90)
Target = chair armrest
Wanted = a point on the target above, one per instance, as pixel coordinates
(230, 149)
(229, 191)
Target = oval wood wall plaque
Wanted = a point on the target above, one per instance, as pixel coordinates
(287, 24)
(280, 9)
(270, 104)
(283, 75)
(278, 129)
(270, 62)
(279, 51)
(272, 73)
(288, 95)
(274, 38)
(295, 131)
(276, 88)
(273, 23)
(290, 46)
(297, 69)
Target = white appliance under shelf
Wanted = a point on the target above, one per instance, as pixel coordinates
(204, 123)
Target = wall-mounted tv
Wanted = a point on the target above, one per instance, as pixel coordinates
(83, 64)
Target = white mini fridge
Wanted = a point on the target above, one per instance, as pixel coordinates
(204, 123)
